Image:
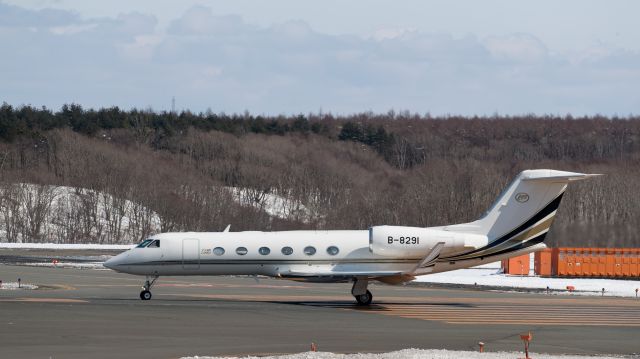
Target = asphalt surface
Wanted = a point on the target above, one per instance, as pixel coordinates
(98, 314)
(22, 256)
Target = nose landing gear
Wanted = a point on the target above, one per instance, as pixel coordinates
(145, 295)
(146, 288)
(360, 292)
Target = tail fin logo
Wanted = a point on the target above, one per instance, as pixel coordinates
(522, 197)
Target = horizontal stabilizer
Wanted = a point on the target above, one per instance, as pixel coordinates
(553, 175)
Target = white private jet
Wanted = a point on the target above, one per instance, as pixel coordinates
(516, 224)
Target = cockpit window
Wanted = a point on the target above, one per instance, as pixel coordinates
(152, 243)
(144, 243)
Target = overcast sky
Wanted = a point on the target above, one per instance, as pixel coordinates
(292, 56)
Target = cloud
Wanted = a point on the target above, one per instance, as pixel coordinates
(523, 48)
(14, 16)
(226, 64)
(388, 33)
(199, 20)
(71, 29)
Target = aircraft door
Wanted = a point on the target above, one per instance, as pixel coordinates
(190, 254)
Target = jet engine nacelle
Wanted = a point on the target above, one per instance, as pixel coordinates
(416, 242)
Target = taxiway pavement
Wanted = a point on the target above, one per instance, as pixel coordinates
(98, 314)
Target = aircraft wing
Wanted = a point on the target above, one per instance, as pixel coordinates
(341, 274)
(424, 266)
(427, 262)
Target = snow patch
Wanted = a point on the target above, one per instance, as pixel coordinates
(85, 265)
(483, 276)
(30, 212)
(61, 246)
(272, 203)
(412, 354)
(15, 286)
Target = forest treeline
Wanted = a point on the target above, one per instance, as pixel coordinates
(131, 169)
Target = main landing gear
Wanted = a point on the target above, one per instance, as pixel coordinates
(360, 292)
(146, 288)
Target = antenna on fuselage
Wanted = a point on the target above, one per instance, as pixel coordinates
(227, 229)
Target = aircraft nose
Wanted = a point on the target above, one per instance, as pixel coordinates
(113, 263)
(110, 263)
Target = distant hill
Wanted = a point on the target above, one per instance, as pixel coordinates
(321, 171)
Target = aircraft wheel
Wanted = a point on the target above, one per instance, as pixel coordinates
(364, 299)
(145, 295)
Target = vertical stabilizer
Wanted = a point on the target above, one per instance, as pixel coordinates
(522, 214)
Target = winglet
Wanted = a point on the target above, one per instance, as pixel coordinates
(227, 229)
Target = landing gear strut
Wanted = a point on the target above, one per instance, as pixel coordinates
(360, 292)
(146, 288)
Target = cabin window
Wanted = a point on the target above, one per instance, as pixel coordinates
(241, 251)
(333, 250)
(154, 244)
(218, 251)
(264, 250)
(287, 251)
(309, 250)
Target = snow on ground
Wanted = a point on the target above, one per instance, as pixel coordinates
(272, 203)
(59, 246)
(84, 265)
(14, 286)
(492, 277)
(63, 211)
(414, 354)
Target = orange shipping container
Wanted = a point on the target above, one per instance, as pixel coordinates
(579, 263)
(617, 259)
(516, 265)
(588, 265)
(571, 262)
(555, 265)
(591, 262)
(542, 262)
(602, 262)
(559, 262)
(626, 262)
(635, 263)
(611, 263)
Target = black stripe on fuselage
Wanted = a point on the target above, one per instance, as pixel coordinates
(548, 209)
(272, 262)
(531, 242)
